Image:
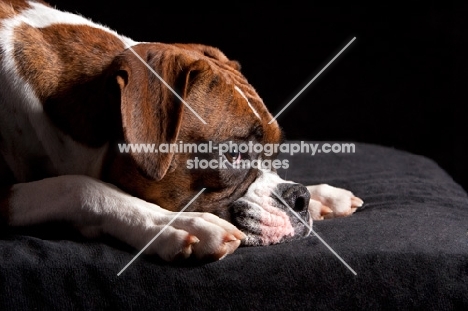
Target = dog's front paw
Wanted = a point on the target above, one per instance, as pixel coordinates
(202, 235)
(329, 202)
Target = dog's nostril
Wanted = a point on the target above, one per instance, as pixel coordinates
(300, 204)
(296, 196)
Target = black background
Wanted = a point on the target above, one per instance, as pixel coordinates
(401, 83)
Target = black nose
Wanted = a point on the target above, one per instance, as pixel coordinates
(295, 195)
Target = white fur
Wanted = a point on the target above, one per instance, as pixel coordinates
(23, 111)
(341, 202)
(260, 192)
(93, 206)
(41, 16)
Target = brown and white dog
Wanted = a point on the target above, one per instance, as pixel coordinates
(71, 90)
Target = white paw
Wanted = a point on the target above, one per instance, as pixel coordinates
(330, 202)
(203, 235)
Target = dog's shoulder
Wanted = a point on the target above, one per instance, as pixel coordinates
(45, 55)
(35, 36)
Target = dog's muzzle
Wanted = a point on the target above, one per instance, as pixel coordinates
(272, 211)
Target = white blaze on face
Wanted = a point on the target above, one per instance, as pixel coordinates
(274, 224)
(245, 97)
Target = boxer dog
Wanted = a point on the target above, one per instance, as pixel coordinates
(71, 90)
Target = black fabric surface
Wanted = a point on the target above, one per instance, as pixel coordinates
(408, 245)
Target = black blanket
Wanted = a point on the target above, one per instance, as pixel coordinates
(408, 246)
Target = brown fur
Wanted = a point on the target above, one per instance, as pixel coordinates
(67, 76)
(97, 92)
(9, 8)
(55, 58)
(201, 81)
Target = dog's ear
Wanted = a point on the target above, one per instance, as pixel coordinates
(151, 112)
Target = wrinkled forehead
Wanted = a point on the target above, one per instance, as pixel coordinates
(232, 107)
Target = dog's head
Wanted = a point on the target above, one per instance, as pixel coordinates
(219, 107)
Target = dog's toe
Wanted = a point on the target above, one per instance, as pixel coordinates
(217, 246)
(217, 238)
(187, 248)
(330, 202)
(168, 243)
(205, 237)
(317, 210)
(227, 247)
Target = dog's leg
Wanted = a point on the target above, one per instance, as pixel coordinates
(95, 207)
(329, 202)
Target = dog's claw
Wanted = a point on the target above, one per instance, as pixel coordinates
(240, 235)
(188, 248)
(357, 202)
(325, 210)
(230, 238)
(191, 239)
